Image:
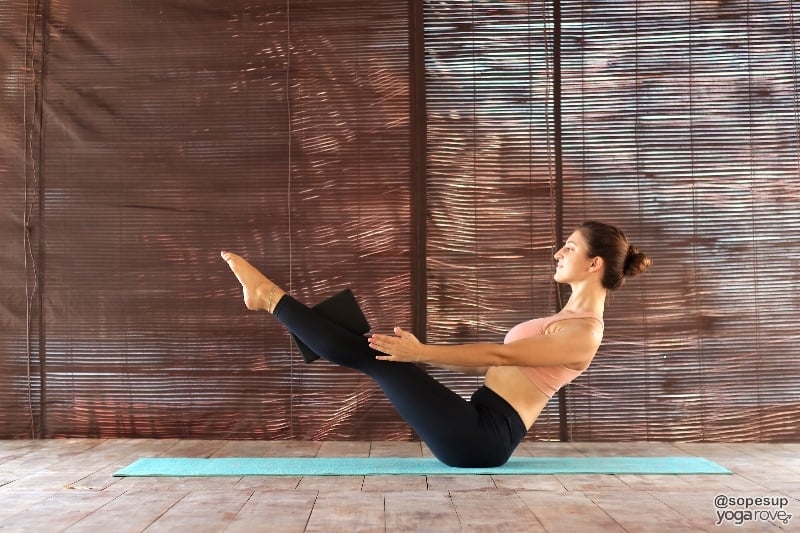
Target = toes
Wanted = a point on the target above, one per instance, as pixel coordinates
(228, 257)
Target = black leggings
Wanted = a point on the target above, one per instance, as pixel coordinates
(481, 432)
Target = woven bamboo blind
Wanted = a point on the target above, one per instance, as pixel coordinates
(491, 167)
(170, 131)
(141, 138)
(681, 123)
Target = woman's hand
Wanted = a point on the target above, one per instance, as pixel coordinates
(402, 347)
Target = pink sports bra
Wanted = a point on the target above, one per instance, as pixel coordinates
(547, 379)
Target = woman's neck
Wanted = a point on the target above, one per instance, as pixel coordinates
(587, 298)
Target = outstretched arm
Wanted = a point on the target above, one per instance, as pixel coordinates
(469, 370)
(566, 342)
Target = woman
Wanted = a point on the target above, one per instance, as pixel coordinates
(537, 357)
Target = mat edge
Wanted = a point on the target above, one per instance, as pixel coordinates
(441, 470)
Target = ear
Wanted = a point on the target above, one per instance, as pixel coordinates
(597, 264)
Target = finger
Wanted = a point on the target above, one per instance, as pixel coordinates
(377, 346)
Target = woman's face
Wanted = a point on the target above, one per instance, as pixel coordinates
(574, 263)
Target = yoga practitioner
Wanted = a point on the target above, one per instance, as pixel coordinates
(537, 357)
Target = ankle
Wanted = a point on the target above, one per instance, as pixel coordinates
(269, 294)
(275, 299)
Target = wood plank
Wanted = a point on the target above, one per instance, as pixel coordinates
(394, 483)
(347, 511)
(119, 454)
(124, 451)
(698, 508)
(245, 448)
(98, 480)
(12, 449)
(652, 482)
(291, 448)
(646, 515)
(757, 471)
(177, 483)
(46, 480)
(548, 449)
(586, 482)
(421, 511)
(726, 483)
(713, 452)
(284, 511)
(543, 482)
(131, 512)
(45, 455)
(57, 512)
(426, 452)
(202, 512)
(632, 448)
(14, 445)
(199, 484)
(395, 449)
(279, 483)
(19, 501)
(344, 449)
(462, 482)
(103, 453)
(568, 512)
(328, 484)
(494, 511)
(66, 484)
(127, 484)
(7, 477)
(193, 448)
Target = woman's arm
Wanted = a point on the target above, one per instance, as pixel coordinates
(469, 370)
(566, 342)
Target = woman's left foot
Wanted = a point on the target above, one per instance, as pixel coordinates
(260, 294)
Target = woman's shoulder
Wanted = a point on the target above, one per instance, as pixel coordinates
(588, 320)
(541, 325)
(577, 323)
(576, 315)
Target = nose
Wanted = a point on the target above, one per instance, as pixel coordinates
(557, 255)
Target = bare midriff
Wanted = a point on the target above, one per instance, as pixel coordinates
(516, 388)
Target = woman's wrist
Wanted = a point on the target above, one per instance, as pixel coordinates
(427, 353)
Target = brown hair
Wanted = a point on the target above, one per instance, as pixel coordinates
(622, 260)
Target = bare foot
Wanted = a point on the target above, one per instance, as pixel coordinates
(260, 294)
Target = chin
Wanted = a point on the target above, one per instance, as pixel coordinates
(559, 277)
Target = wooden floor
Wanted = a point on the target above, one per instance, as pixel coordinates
(67, 485)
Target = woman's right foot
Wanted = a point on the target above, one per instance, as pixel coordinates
(260, 294)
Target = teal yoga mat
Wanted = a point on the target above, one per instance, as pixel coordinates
(417, 466)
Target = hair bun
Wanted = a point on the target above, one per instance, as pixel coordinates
(636, 262)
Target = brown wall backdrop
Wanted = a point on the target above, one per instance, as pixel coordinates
(140, 138)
